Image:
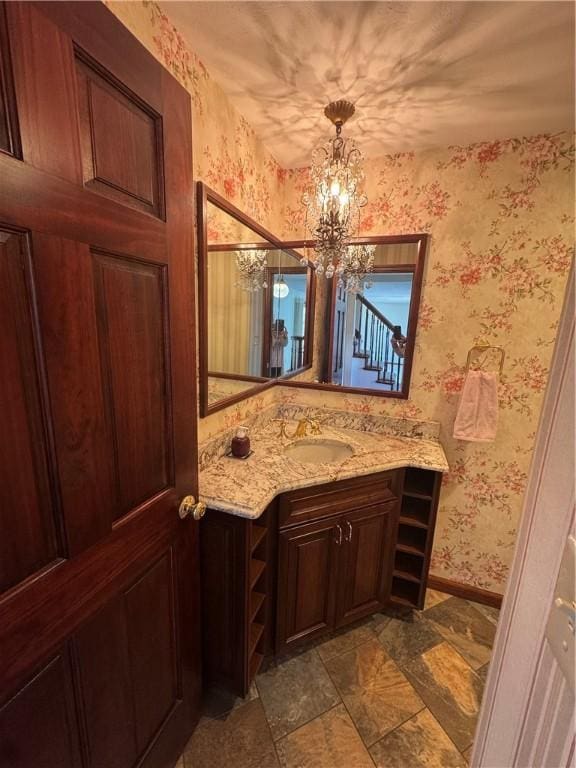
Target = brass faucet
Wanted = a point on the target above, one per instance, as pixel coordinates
(301, 428)
(315, 427)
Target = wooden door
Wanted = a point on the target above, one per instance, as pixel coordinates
(307, 576)
(99, 650)
(366, 564)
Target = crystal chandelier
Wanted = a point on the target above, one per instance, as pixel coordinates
(333, 206)
(356, 262)
(251, 265)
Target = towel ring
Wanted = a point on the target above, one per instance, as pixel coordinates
(485, 348)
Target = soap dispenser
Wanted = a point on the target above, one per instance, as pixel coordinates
(240, 447)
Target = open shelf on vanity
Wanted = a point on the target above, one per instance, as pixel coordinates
(256, 602)
(411, 539)
(257, 534)
(235, 557)
(258, 596)
(419, 483)
(415, 511)
(408, 566)
(416, 524)
(256, 570)
(405, 592)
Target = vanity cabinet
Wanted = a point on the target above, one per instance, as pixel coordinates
(317, 559)
(333, 571)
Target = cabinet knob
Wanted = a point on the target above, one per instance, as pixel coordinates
(189, 505)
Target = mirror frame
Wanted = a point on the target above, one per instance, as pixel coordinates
(205, 195)
(422, 239)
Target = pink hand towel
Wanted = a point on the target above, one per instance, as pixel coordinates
(477, 416)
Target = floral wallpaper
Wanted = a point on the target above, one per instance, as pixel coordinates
(501, 219)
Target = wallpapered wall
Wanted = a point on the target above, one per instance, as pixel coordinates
(501, 216)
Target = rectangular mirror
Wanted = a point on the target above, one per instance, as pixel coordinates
(255, 302)
(371, 331)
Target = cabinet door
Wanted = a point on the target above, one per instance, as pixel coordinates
(307, 578)
(366, 561)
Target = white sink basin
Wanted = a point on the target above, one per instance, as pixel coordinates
(319, 451)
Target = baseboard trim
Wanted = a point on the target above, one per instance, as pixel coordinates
(465, 591)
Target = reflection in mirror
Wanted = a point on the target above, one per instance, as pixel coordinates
(286, 311)
(235, 317)
(254, 301)
(371, 326)
(365, 333)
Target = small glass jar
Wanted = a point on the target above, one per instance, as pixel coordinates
(240, 447)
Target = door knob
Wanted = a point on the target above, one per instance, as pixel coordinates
(189, 505)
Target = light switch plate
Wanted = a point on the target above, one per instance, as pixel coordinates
(561, 626)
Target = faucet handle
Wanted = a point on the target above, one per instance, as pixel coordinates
(315, 428)
(282, 432)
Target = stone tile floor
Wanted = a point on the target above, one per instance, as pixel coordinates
(399, 690)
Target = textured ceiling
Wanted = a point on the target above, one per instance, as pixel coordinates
(421, 74)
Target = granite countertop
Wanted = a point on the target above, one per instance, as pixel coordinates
(246, 487)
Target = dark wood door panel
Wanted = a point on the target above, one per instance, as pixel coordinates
(127, 683)
(127, 660)
(110, 44)
(366, 561)
(152, 643)
(121, 140)
(312, 567)
(63, 279)
(29, 507)
(105, 687)
(9, 131)
(67, 595)
(133, 336)
(307, 574)
(32, 199)
(45, 92)
(39, 727)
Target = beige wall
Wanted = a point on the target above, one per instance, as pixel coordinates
(501, 217)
